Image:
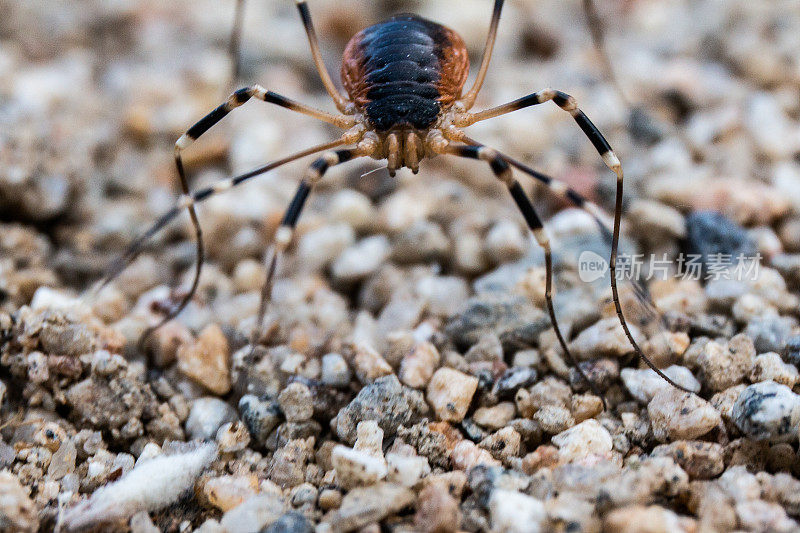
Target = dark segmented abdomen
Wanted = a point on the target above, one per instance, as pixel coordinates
(393, 71)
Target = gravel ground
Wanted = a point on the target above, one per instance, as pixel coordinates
(408, 378)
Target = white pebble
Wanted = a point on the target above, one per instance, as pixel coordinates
(319, 247)
(335, 371)
(506, 242)
(514, 512)
(361, 259)
(352, 208)
(406, 470)
(679, 415)
(152, 485)
(767, 411)
(643, 384)
(357, 467)
(254, 514)
(770, 367)
(585, 439)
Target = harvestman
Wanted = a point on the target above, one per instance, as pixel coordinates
(404, 102)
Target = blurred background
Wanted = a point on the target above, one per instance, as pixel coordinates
(93, 95)
(705, 119)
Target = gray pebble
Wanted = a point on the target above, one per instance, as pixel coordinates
(515, 321)
(295, 401)
(260, 416)
(791, 354)
(513, 379)
(770, 333)
(423, 242)
(291, 522)
(384, 400)
(710, 233)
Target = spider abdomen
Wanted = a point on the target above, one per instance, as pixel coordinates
(402, 72)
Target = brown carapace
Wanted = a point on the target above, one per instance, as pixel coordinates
(404, 102)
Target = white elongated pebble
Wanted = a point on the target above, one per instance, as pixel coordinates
(152, 485)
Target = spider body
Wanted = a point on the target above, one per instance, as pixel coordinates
(404, 102)
(403, 72)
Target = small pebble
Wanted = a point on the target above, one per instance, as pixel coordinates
(369, 365)
(679, 415)
(254, 514)
(384, 400)
(206, 416)
(352, 208)
(514, 379)
(291, 522)
(580, 441)
(514, 512)
(365, 505)
(710, 233)
(335, 371)
(505, 242)
(554, 419)
(227, 492)
(466, 455)
(260, 417)
(770, 333)
(355, 467)
(437, 510)
(767, 411)
(319, 247)
(206, 360)
(407, 470)
(295, 401)
(643, 384)
(701, 460)
(17, 511)
(450, 393)
(495, 417)
(361, 259)
(770, 367)
(503, 444)
(417, 367)
(633, 518)
(511, 318)
(606, 338)
(725, 365)
(232, 437)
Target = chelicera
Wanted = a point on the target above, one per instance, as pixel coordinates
(405, 102)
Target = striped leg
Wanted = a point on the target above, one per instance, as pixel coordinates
(327, 81)
(285, 232)
(562, 100)
(188, 201)
(568, 103)
(502, 170)
(203, 125)
(562, 190)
